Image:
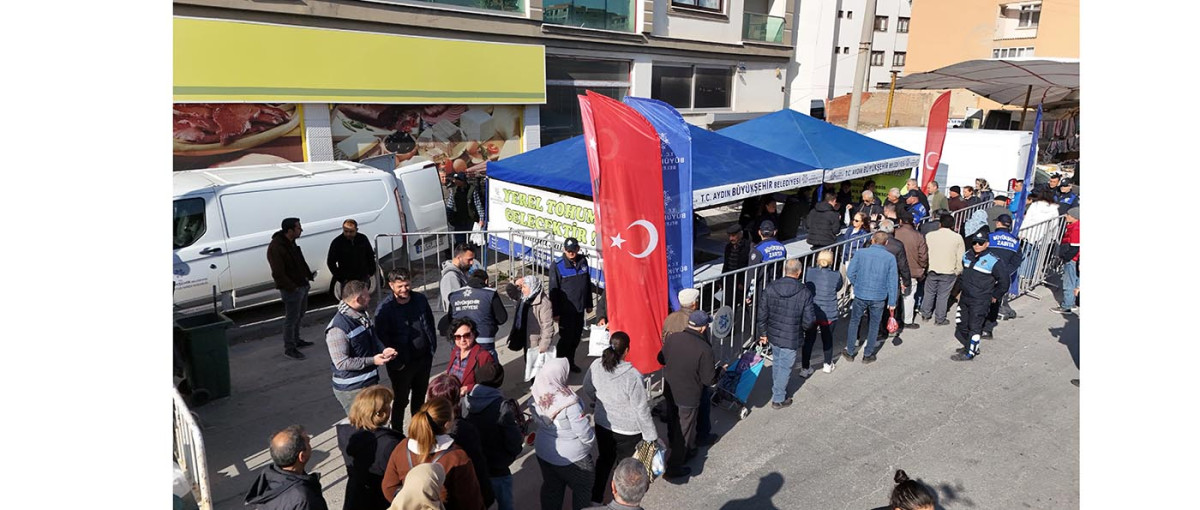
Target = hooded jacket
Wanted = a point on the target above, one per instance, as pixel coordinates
(620, 399)
(823, 223)
(288, 268)
(785, 312)
(453, 279)
(276, 489)
(485, 408)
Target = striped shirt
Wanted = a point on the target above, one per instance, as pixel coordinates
(339, 344)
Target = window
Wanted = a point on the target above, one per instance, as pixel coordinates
(881, 23)
(516, 6)
(876, 58)
(841, 14)
(849, 14)
(1012, 52)
(845, 50)
(189, 222)
(608, 15)
(898, 58)
(1030, 15)
(567, 78)
(707, 5)
(692, 87)
(902, 25)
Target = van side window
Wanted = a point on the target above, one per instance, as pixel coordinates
(189, 221)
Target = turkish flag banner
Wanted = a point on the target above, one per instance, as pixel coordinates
(935, 138)
(625, 159)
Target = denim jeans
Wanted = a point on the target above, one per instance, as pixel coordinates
(294, 305)
(1070, 283)
(781, 371)
(502, 487)
(874, 312)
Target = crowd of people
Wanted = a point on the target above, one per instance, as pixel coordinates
(464, 434)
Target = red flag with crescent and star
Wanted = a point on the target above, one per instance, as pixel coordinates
(935, 138)
(625, 161)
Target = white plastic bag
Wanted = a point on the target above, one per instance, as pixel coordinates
(597, 341)
(477, 239)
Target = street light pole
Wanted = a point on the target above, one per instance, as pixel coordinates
(864, 59)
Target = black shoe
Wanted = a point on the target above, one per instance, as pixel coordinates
(575, 369)
(847, 356)
(691, 454)
(912, 326)
(926, 318)
(781, 405)
(867, 360)
(304, 343)
(294, 354)
(986, 335)
(1075, 382)
(942, 322)
(679, 472)
(708, 440)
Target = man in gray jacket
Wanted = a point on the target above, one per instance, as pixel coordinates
(454, 272)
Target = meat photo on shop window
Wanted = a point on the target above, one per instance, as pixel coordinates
(206, 129)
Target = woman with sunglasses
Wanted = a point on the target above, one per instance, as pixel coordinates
(466, 355)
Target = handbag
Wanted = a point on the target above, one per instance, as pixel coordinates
(892, 325)
(652, 457)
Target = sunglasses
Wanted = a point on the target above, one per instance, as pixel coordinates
(463, 337)
(978, 243)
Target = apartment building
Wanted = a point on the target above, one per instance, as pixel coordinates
(828, 46)
(459, 81)
(946, 32)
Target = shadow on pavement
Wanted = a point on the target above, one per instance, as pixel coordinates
(768, 487)
(1068, 335)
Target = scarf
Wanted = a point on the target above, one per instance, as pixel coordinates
(550, 392)
(422, 489)
(977, 221)
(535, 286)
(351, 314)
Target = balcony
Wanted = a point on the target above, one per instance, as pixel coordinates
(762, 27)
(515, 6)
(608, 15)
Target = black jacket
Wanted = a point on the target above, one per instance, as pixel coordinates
(984, 277)
(689, 366)
(366, 454)
(496, 422)
(288, 267)
(467, 437)
(408, 328)
(276, 489)
(896, 247)
(785, 311)
(571, 285)
(737, 256)
(351, 259)
(823, 223)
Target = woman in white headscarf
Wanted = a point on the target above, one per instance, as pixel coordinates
(533, 326)
(564, 438)
(422, 489)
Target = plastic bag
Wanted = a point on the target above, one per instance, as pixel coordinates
(892, 325)
(597, 340)
(652, 456)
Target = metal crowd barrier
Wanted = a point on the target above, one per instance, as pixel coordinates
(189, 452)
(1039, 250)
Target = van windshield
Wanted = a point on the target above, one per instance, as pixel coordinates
(189, 221)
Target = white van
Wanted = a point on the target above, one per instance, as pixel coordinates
(969, 154)
(423, 205)
(224, 219)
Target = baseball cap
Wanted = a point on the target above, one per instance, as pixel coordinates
(1005, 220)
(956, 189)
(571, 244)
(733, 229)
(698, 318)
(1000, 197)
(688, 296)
(766, 226)
(979, 238)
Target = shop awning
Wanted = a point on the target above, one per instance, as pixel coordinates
(723, 169)
(1006, 81)
(842, 153)
(232, 61)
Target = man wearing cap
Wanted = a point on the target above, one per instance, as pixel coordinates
(1005, 246)
(677, 321)
(482, 305)
(1065, 198)
(737, 256)
(688, 367)
(571, 298)
(937, 199)
(914, 189)
(984, 281)
(955, 202)
(999, 207)
(915, 207)
(785, 312)
(1069, 252)
(824, 223)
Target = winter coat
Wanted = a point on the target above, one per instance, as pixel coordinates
(351, 259)
(620, 399)
(476, 356)
(408, 328)
(486, 408)
(824, 285)
(873, 274)
(915, 250)
(288, 268)
(467, 437)
(984, 277)
(785, 311)
(276, 489)
(689, 366)
(896, 248)
(938, 201)
(564, 439)
(461, 490)
(365, 454)
(537, 323)
(823, 223)
(1039, 212)
(571, 285)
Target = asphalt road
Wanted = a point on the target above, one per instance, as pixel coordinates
(1001, 431)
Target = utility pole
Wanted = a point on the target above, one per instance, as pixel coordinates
(864, 61)
(887, 121)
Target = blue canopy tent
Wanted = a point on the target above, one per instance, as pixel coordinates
(842, 153)
(723, 169)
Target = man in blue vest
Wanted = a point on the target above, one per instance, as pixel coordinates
(353, 347)
(571, 297)
(769, 250)
(984, 281)
(1065, 198)
(482, 305)
(1005, 246)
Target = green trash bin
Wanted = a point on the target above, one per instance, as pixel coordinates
(207, 352)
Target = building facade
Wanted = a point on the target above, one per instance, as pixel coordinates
(456, 81)
(946, 32)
